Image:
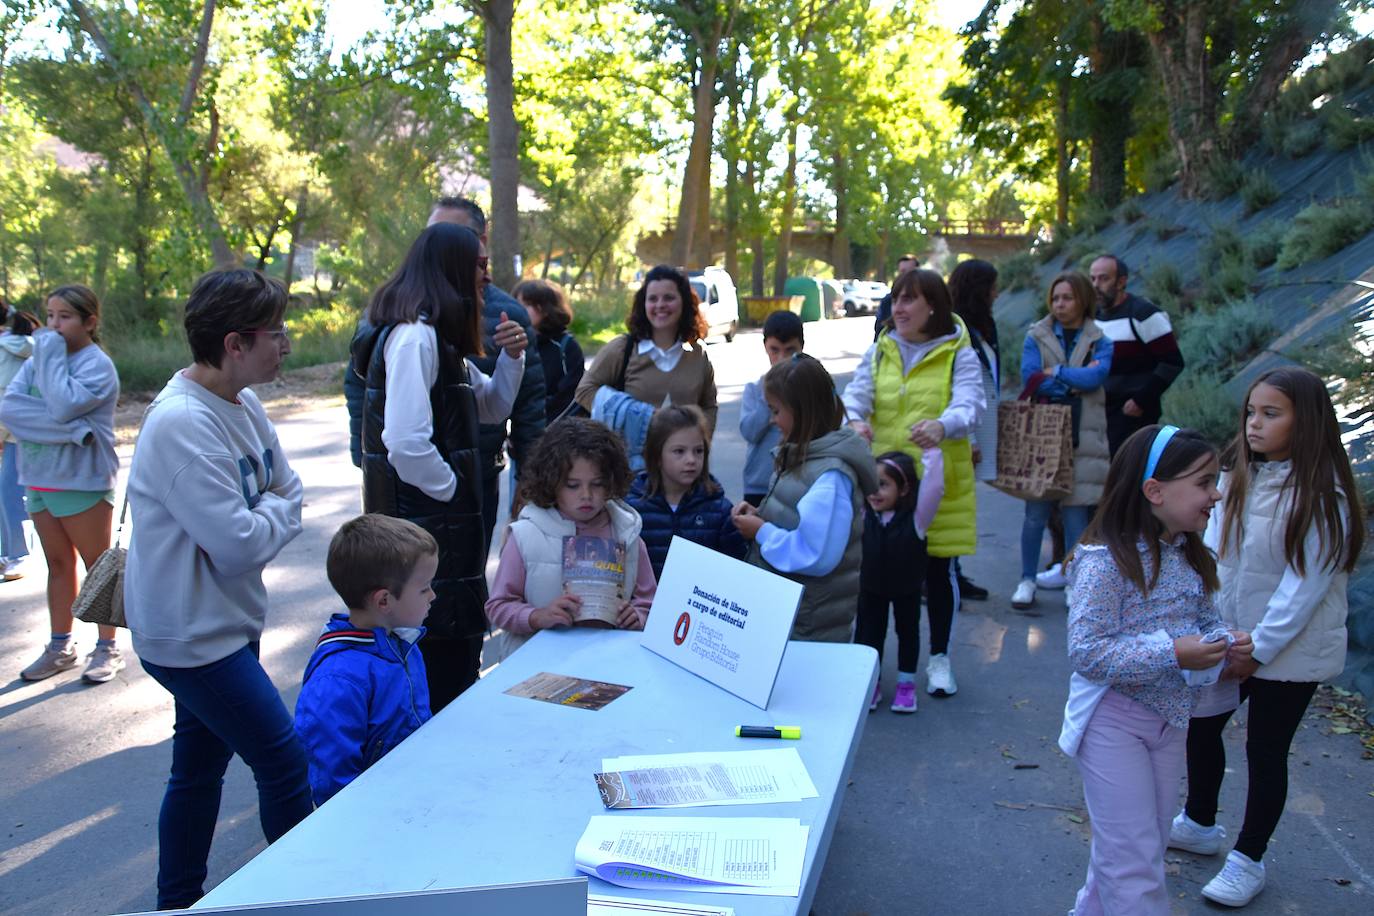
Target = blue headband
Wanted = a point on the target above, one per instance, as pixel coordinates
(1161, 442)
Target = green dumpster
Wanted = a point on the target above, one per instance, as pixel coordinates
(810, 289)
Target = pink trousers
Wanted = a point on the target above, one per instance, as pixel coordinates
(1132, 762)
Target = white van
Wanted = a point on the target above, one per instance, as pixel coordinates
(719, 300)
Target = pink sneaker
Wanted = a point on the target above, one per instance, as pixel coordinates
(877, 696)
(905, 700)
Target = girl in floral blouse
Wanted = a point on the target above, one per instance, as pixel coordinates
(1143, 632)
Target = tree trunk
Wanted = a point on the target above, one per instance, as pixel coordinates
(1306, 21)
(697, 173)
(503, 143)
(732, 156)
(703, 251)
(1061, 151)
(297, 222)
(789, 203)
(1111, 53)
(839, 244)
(884, 238)
(1181, 50)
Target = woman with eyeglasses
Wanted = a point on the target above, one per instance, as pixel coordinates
(424, 400)
(214, 500)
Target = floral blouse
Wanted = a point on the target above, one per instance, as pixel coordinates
(1124, 639)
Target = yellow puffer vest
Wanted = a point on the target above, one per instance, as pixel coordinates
(899, 403)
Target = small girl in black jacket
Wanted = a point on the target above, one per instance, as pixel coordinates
(559, 352)
(894, 563)
(676, 494)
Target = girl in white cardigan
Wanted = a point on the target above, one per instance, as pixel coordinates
(1287, 535)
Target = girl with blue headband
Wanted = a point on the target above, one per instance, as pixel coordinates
(1143, 633)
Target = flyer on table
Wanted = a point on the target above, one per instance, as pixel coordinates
(722, 619)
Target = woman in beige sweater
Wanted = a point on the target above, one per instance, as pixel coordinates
(667, 356)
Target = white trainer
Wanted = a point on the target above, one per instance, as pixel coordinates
(1024, 596)
(1239, 881)
(1190, 836)
(1052, 578)
(939, 677)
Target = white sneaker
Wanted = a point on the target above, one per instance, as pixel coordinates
(1190, 836)
(1024, 596)
(1240, 881)
(939, 677)
(13, 569)
(1052, 578)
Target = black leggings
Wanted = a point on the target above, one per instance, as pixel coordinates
(870, 628)
(1276, 710)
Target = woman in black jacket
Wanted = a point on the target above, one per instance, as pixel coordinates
(421, 408)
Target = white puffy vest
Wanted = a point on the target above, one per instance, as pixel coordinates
(1250, 575)
(539, 535)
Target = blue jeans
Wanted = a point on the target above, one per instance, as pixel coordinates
(224, 708)
(12, 513)
(1033, 530)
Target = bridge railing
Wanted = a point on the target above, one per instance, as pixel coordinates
(997, 228)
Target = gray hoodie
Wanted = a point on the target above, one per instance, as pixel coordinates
(214, 501)
(61, 408)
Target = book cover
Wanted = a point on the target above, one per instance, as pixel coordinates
(594, 571)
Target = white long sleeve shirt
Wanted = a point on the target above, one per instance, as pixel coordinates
(966, 399)
(412, 368)
(816, 546)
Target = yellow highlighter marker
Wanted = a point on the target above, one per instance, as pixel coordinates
(768, 731)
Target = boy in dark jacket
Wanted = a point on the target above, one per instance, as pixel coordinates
(364, 689)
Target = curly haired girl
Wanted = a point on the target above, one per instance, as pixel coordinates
(573, 488)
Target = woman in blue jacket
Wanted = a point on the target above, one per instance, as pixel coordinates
(1071, 357)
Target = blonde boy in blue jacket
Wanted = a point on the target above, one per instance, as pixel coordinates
(364, 689)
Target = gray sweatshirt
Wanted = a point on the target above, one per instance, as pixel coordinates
(214, 501)
(61, 408)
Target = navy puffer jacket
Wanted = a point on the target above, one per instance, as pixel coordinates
(700, 517)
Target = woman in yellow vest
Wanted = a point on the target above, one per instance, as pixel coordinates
(920, 386)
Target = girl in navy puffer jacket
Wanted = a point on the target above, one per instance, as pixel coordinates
(676, 494)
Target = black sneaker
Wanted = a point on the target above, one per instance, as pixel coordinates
(971, 592)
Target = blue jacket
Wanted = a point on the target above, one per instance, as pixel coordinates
(628, 417)
(700, 517)
(1068, 378)
(762, 435)
(363, 693)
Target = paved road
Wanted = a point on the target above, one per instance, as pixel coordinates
(940, 818)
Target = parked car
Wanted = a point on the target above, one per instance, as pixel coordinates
(719, 300)
(857, 298)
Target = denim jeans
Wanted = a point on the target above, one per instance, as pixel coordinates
(1033, 530)
(224, 708)
(12, 513)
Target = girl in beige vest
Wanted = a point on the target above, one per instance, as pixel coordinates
(809, 527)
(1287, 535)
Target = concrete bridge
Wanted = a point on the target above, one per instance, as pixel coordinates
(991, 240)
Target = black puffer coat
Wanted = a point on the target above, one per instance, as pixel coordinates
(460, 585)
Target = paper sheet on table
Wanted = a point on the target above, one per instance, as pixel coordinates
(603, 905)
(705, 778)
(721, 855)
